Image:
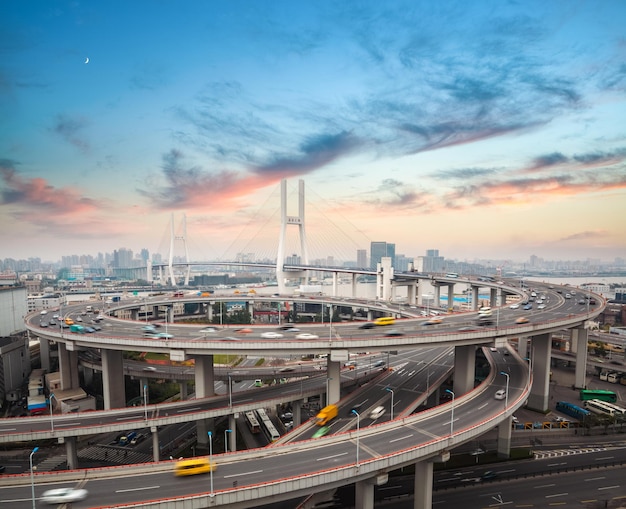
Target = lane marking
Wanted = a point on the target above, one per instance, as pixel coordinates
(544, 486)
(557, 495)
(609, 487)
(595, 479)
(400, 438)
(243, 473)
(138, 489)
(331, 457)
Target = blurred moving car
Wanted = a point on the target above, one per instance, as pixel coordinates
(500, 394)
(306, 335)
(394, 332)
(64, 495)
(522, 319)
(271, 335)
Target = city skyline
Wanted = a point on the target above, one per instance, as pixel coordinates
(488, 131)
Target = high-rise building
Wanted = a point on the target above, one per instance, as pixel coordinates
(378, 250)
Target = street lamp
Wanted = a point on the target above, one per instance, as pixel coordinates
(32, 477)
(211, 459)
(51, 418)
(451, 414)
(506, 395)
(358, 427)
(391, 391)
(226, 432)
(145, 402)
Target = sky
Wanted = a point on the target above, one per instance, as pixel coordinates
(486, 129)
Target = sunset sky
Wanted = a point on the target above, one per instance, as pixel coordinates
(485, 129)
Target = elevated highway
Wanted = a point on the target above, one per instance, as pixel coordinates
(475, 411)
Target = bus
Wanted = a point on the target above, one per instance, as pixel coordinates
(572, 410)
(252, 422)
(268, 426)
(602, 395)
(603, 408)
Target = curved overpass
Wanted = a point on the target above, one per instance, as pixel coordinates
(475, 412)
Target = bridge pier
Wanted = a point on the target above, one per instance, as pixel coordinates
(44, 354)
(71, 453)
(364, 494)
(504, 438)
(232, 436)
(580, 336)
(204, 376)
(384, 277)
(539, 392)
(68, 367)
(113, 379)
(333, 372)
(464, 367)
(156, 456)
(475, 296)
(423, 485)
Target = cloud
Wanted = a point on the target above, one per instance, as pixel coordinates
(580, 161)
(70, 129)
(587, 235)
(314, 153)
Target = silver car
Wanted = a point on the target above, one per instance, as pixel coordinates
(64, 495)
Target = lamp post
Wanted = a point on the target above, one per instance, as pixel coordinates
(391, 391)
(32, 477)
(145, 402)
(226, 432)
(51, 417)
(358, 427)
(451, 414)
(506, 394)
(211, 459)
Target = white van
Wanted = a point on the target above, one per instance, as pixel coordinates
(377, 412)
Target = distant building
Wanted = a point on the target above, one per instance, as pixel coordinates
(361, 258)
(380, 250)
(432, 262)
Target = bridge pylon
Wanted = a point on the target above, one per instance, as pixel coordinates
(180, 237)
(286, 220)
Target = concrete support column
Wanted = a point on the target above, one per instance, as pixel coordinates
(353, 286)
(412, 293)
(580, 338)
(539, 392)
(437, 295)
(251, 310)
(204, 375)
(202, 428)
(423, 498)
(335, 283)
(183, 390)
(522, 347)
(333, 371)
(384, 276)
(70, 452)
(232, 436)
(475, 296)
(296, 410)
(370, 315)
(209, 312)
(364, 495)
(450, 297)
(504, 438)
(156, 456)
(113, 379)
(493, 297)
(68, 367)
(44, 354)
(464, 367)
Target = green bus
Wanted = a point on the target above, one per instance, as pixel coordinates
(609, 396)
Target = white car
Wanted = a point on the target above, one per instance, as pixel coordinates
(306, 335)
(271, 335)
(63, 495)
(514, 306)
(208, 329)
(500, 394)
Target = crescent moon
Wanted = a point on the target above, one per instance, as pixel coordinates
(87, 60)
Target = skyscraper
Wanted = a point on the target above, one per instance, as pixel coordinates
(378, 250)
